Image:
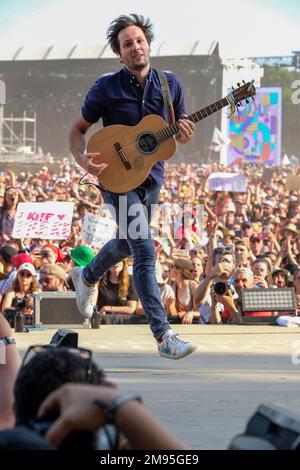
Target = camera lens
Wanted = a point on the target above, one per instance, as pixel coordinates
(220, 288)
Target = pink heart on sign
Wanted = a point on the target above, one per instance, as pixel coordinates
(61, 216)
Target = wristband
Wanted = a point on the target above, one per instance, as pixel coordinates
(111, 409)
(7, 340)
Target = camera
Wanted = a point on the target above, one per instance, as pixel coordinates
(75, 440)
(221, 288)
(20, 303)
(106, 439)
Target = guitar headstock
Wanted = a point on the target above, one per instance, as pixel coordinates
(243, 92)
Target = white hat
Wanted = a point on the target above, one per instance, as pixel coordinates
(268, 202)
(159, 272)
(27, 267)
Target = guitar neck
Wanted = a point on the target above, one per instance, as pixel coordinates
(173, 129)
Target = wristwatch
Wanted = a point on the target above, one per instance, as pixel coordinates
(111, 409)
(7, 340)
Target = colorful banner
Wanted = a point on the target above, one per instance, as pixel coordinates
(97, 230)
(45, 220)
(234, 182)
(256, 133)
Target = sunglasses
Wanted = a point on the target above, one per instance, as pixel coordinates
(45, 280)
(24, 274)
(82, 353)
(220, 250)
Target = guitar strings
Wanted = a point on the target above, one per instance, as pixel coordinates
(148, 139)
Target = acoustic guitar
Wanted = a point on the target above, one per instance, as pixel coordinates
(131, 151)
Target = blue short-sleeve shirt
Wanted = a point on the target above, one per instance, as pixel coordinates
(119, 99)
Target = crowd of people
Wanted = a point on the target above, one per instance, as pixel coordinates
(241, 240)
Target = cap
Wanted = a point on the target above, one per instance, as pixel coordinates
(269, 203)
(256, 236)
(55, 270)
(21, 258)
(59, 255)
(7, 252)
(280, 270)
(27, 267)
(82, 255)
(247, 224)
(291, 228)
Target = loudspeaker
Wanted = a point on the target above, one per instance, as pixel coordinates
(65, 337)
(57, 309)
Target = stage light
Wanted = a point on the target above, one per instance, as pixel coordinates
(270, 428)
(282, 301)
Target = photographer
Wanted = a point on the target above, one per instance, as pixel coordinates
(21, 294)
(223, 294)
(47, 400)
(261, 271)
(88, 408)
(9, 366)
(223, 265)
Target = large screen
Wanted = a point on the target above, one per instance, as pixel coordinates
(256, 132)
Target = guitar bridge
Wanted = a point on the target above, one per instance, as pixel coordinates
(122, 156)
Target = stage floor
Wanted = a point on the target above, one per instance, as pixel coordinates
(205, 398)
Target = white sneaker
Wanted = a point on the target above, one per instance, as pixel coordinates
(84, 294)
(172, 347)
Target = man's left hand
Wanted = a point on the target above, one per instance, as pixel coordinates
(186, 130)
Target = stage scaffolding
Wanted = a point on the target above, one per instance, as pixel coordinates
(18, 135)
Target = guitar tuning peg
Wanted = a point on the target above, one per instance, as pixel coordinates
(252, 98)
(247, 101)
(232, 88)
(244, 82)
(238, 84)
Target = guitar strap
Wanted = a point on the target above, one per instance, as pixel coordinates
(166, 96)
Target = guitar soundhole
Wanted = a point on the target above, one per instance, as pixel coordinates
(147, 143)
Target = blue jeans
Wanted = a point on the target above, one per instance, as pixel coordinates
(140, 247)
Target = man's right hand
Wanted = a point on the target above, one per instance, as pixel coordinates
(74, 404)
(87, 164)
(220, 270)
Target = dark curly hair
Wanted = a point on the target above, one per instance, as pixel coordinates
(43, 374)
(123, 22)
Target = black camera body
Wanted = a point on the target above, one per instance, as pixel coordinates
(221, 288)
(84, 440)
(107, 439)
(20, 303)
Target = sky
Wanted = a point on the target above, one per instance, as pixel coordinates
(244, 28)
